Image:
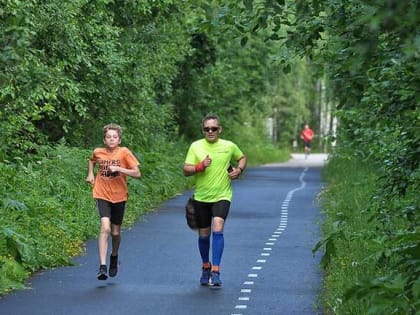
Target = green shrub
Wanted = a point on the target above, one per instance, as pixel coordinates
(371, 265)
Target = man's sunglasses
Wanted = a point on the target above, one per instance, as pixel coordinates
(212, 129)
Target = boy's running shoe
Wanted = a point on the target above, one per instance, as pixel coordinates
(102, 273)
(205, 276)
(113, 266)
(215, 279)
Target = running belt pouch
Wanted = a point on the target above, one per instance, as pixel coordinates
(190, 214)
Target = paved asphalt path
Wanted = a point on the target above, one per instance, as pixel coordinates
(267, 266)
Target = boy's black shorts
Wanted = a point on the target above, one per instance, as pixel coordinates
(114, 211)
(205, 211)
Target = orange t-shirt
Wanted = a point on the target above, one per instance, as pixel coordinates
(112, 186)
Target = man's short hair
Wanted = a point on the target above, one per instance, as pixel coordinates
(209, 117)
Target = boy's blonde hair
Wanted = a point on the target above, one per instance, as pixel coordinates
(113, 126)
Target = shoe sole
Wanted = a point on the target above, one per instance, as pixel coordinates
(102, 277)
(205, 283)
(218, 284)
(113, 274)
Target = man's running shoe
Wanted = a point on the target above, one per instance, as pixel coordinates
(102, 273)
(215, 279)
(205, 276)
(113, 266)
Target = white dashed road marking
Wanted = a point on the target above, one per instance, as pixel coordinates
(274, 237)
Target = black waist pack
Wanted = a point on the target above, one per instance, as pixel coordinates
(190, 214)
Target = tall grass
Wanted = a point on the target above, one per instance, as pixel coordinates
(350, 186)
(364, 257)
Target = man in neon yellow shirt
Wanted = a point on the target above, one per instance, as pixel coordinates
(209, 159)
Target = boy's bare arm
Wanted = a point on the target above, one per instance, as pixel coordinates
(91, 177)
(132, 172)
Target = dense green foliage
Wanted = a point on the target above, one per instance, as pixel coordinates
(369, 52)
(371, 263)
(157, 66)
(68, 68)
(78, 64)
(375, 80)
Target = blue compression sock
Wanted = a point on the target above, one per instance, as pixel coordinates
(204, 247)
(218, 246)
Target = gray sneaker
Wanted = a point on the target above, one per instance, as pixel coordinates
(113, 266)
(102, 273)
(215, 279)
(205, 276)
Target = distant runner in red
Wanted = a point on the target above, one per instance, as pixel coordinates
(307, 135)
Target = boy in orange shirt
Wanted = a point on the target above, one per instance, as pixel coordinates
(111, 193)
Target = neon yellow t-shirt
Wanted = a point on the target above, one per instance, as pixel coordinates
(214, 183)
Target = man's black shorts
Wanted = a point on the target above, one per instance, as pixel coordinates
(205, 211)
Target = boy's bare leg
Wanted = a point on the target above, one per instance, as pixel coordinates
(103, 239)
(103, 247)
(116, 238)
